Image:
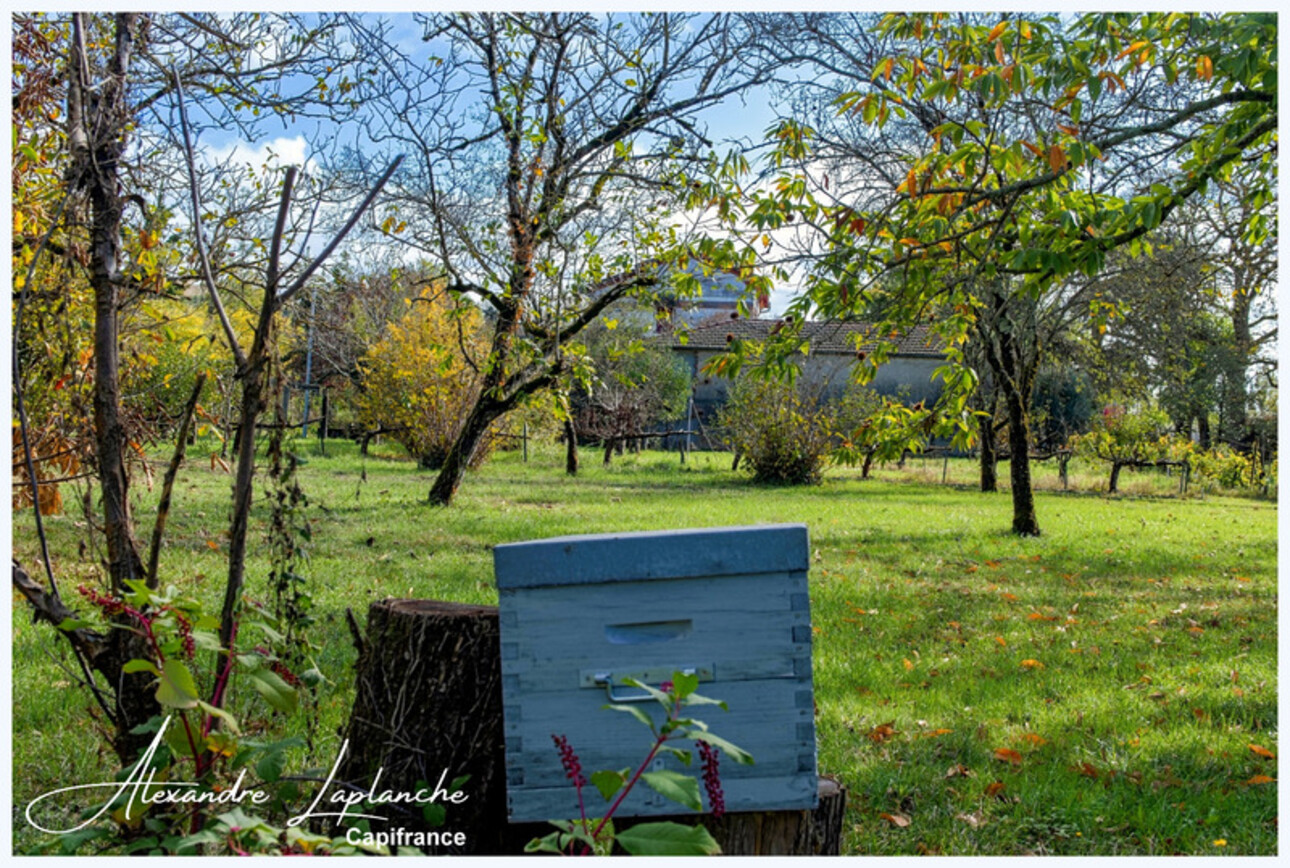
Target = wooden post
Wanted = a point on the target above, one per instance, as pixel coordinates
(326, 420)
(945, 468)
(524, 440)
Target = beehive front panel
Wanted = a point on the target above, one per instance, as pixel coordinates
(566, 649)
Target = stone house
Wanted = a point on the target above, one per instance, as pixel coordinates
(833, 349)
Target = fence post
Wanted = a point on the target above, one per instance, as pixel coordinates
(525, 441)
(326, 420)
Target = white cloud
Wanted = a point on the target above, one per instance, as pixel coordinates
(279, 152)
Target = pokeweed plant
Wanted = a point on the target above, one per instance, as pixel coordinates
(596, 835)
(201, 740)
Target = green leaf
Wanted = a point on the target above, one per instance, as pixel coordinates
(668, 839)
(696, 699)
(683, 755)
(683, 685)
(635, 712)
(663, 698)
(733, 751)
(176, 688)
(609, 782)
(275, 691)
(229, 721)
(141, 665)
(435, 814)
(680, 788)
(545, 844)
(271, 766)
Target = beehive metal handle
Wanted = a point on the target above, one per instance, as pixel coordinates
(606, 680)
(618, 697)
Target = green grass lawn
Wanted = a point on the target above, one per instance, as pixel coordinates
(1093, 691)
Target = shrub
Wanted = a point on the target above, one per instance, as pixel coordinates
(783, 430)
(418, 381)
(1224, 467)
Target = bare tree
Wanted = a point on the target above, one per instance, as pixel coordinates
(547, 152)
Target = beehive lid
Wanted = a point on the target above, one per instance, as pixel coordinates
(643, 556)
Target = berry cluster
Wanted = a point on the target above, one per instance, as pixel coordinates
(186, 634)
(569, 759)
(278, 668)
(109, 606)
(711, 778)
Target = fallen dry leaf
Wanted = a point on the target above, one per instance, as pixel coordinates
(1262, 751)
(974, 819)
(1007, 755)
(1088, 770)
(1031, 664)
(937, 733)
(958, 770)
(900, 821)
(882, 732)
(1261, 779)
(994, 790)
(1036, 740)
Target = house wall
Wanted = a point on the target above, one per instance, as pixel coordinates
(906, 377)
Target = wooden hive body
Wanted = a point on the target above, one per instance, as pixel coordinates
(729, 603)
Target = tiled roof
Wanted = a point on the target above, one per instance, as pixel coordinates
(824, 337)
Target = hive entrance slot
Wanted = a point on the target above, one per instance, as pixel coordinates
(648, 632)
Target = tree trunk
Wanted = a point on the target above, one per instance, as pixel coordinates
(609, 450)
(98, 119)
(97, 134)
(243, 485)
(1024, 520)
(428, 706)
(570, 448)
(1202, 428)
(483, 414)
(989, 457)
(1115, 477)
(1235, 417)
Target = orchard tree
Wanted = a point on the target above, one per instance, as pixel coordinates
(544, 157)
(637, 383)
(1040, 145)
(119, 74)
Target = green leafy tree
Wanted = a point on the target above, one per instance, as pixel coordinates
(1026, 149)
(633, 384)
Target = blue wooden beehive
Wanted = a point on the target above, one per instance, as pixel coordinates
(581, 613)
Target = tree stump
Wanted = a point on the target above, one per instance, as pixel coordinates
(428, 704)
(752, 833)
(785, 833)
